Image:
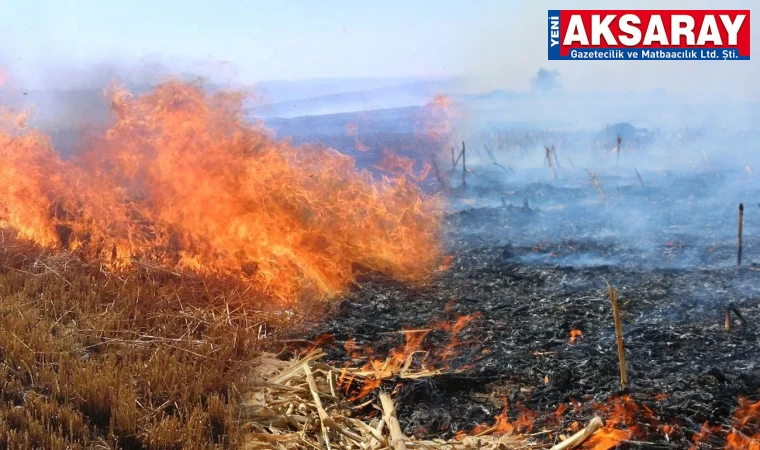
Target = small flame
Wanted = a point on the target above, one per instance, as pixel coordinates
(745, 433)
(438, 119)
(409, 359)
(524, 423)
(575, 335)
(607, 438)
(704, 433)
(626, 419)
(560, 412)
(402, 166)
(352, 130)
(446, 263)
(620, 412)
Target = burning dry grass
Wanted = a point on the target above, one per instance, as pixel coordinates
(90, 360)
(180, 179)
(153, 360)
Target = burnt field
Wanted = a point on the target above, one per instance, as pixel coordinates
(217, 291)
(529, 266)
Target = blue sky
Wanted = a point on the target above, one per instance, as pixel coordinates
(501, 43)
(263, 40)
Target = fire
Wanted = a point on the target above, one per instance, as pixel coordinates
(559, 413)
(352, 130)
(524, 423)
(502, 425)
(409, 360)
(745, 433)
(704, 433)
(446, 263)
(607, 438)
(574, 335)
(620, 412)
(394, 163)
(439, 121)
(180, 179)
(626, 419)
(438, 118)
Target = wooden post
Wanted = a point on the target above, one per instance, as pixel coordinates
(741, 218)
(442, 181)
(550, 160)
(464, 169)
(619, 335)
(455, 162)
(738, 313)
(727, 320)
(597, 186)
(637, 174)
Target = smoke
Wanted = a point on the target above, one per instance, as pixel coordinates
(65, 97)
(546, 81)
(665, 197)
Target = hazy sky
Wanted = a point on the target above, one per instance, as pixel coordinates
(59, 42)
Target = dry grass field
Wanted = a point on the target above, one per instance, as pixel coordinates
(96, 360)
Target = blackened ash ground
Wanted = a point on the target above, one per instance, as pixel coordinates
(533, 282)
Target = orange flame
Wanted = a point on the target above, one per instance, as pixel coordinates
(574, 335)
(352, 130)
(400, 165)
(559, 413)
(745, 433)
(626, 419)
(409, 358)
(607, 438)
(440, 113)
(704, 433)
(438, 124)
(446, 263)
(502, 424)
(179, 178)
(524, 423)
(620, 411)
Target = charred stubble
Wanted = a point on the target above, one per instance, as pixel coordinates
(684, 369)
